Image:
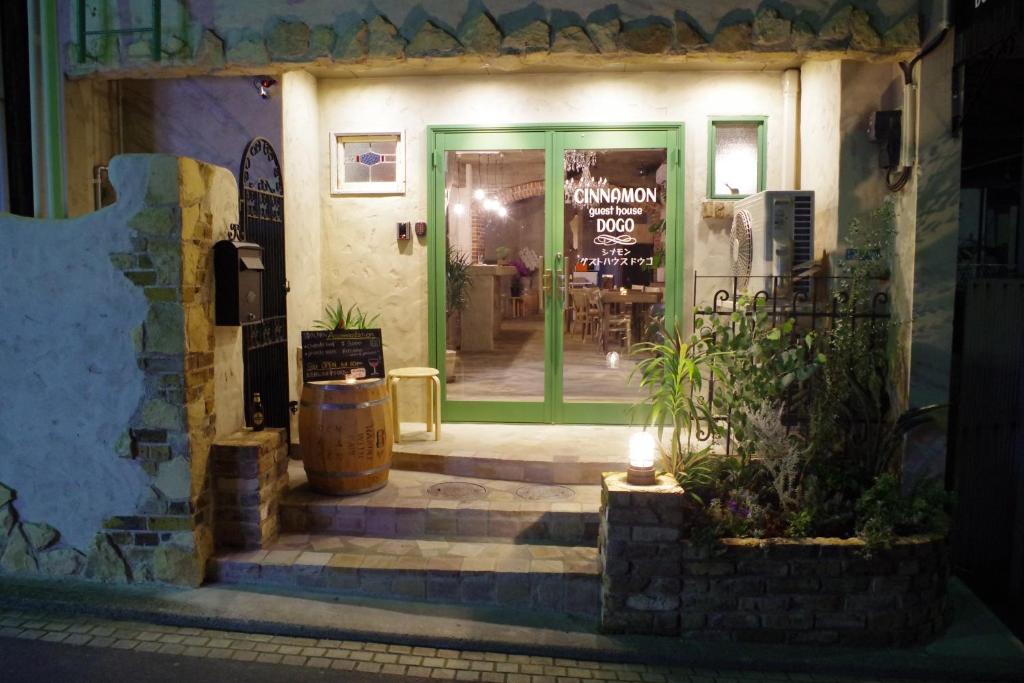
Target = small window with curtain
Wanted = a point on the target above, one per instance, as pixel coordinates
(736, 157)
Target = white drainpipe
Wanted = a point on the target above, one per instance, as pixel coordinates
(790, 127)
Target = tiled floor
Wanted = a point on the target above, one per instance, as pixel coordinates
(537, 453)
(527, 442)
(514, 370)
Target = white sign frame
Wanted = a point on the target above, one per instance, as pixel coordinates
(338, 184)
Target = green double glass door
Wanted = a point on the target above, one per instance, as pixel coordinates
(552, 251)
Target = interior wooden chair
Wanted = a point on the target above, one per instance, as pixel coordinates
(581, 319)
(617, 327)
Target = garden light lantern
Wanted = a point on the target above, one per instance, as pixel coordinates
(641, 459)
(612, 360)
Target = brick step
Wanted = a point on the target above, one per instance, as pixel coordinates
(535, 577)
(424, 505)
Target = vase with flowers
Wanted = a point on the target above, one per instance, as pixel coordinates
(526, 264)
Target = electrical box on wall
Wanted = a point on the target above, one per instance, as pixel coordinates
(404, 231)
(238, 269)
(885, 128)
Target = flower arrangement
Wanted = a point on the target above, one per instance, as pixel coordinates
(530, 259)
(520, 267)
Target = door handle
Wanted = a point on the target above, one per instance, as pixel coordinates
(562, 281)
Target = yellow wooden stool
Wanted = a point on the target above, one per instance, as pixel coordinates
(433, 397)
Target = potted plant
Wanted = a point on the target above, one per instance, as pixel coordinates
(457, 284)
(673, 371)
(502, 253)
(336, 317)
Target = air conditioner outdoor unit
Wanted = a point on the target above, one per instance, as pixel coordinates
(773, 235)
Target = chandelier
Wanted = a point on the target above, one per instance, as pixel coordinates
(576, 160)
(584, 182)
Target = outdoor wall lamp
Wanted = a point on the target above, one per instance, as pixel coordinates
(263, 84)
(641, 459)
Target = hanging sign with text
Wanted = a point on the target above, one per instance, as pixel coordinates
(342, 354)
(614, 213)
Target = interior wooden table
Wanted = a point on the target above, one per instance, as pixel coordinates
(613, 299)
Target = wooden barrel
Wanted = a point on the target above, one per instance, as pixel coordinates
(346, 435)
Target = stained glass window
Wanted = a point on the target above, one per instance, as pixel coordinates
(368, 164)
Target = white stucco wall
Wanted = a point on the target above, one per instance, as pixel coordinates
(364, 263)
(866, 88)
(229, 374)
(936, 221)
(820, 99)
(70, 379)
(301, 168)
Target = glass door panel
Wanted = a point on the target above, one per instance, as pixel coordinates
(616, 238)
(494, 212)
(559, 250)
(614, 213)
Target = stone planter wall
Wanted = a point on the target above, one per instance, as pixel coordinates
(816, 590)
(804, 591)
(641, 555)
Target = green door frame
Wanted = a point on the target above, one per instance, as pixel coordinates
(553, 139)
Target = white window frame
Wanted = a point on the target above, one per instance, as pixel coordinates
(338, 184)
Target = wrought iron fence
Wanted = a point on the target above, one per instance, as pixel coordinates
(813, 303)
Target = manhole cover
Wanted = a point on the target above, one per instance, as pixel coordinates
(457, 490)
(543, 492)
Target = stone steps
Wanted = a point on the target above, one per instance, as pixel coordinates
(537, 454)
(578, 470)
(423, 505)
(549, 578)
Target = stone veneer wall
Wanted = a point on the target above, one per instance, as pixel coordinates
(807, 591)
(155, 514)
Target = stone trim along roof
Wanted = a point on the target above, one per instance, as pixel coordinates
(527, 39)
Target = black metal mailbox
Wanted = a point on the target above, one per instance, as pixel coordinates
(238, 268)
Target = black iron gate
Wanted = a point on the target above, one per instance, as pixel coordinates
(265, 342)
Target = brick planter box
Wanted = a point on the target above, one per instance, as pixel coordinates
(806, 591)
(250, 474)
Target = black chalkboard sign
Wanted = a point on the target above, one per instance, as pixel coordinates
(340, 354)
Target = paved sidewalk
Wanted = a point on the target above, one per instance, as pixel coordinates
(977, 647)
(364, 657)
